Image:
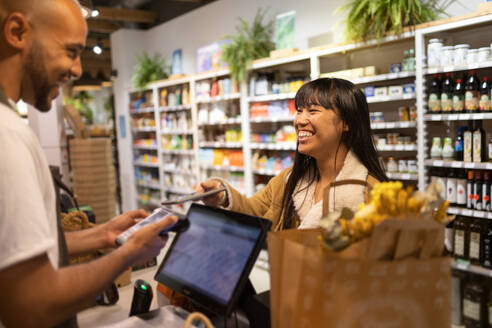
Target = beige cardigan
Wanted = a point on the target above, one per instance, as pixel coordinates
(267, 202)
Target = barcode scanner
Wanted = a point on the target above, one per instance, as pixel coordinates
(142, 297)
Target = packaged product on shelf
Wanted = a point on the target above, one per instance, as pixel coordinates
(472, 57)
(412, 166)
(470, 196)
(483, 54)
(369, 91)
(447, 94)
(434, 53)
(391, 165)
(413, 113)
(459, 96)
(461, 54)
(381, 91)
(451, 188)
(395, 68)
(459, 144)
(447, 56)
(486, 192)
(487, 250)
(472, 93)
(395, 90)
(467, 146)
(478, 143)
(461, 189)
(408, 88)
(448, 149)
(460, 244)
(484, 102)
(403, 113)
(474, 303)
(402, 166)
(458, 279)
(477, 191)
(436, 149)
(163, 98)
(434, 101)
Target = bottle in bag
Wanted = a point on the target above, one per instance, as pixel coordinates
(459, 96)
(484, 102)
(434, 102)
(447, 94)
(472, 93)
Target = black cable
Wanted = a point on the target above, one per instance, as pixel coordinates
(235, 315)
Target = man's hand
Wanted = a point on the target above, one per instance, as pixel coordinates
(146, 243)
(118, 224)
(209, 185)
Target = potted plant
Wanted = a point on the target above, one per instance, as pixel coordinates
(372, 19)
(251, 42)
(149, 69)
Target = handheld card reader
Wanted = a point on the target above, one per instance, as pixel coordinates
(142, 297)
(159, 214)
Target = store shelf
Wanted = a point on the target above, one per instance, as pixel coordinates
(274, 97)
(382, 77)
(150, 202)
(226, 121)
(393, 125)
(145, 147)
(271, 119)
(179, 151)
(140, 164)
(222, 168)
(145, 129)
(174, 108)
(458, 165)
(150, 186)
(464, 265)
(470, 213)
(142, 111)
(457, 117)
(213, 144)
(178, 171)
(275, 146)
(372, 100)
(218, 98)
(176, 132)
(266, 172)
(180, 191)
(487, 64)
(397, 148)
(402, 176)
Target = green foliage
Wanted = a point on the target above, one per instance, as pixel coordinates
(149, 69)
(373, 19)
(251, 42)
(81, 103)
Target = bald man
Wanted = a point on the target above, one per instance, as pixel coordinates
(40, 46)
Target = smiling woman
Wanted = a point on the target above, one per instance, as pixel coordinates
(335, 152)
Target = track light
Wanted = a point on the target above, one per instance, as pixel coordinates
(97, 49)
(95, 13)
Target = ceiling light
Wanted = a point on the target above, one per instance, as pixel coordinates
(97, 49)
(95, 13)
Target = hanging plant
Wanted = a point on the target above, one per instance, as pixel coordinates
(373, 19)
(149, 69)
(251, 42)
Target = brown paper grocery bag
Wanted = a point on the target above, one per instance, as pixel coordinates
(312, 287)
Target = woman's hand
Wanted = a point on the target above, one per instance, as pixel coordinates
(214, 200)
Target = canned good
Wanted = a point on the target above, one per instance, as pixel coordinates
(483, 54)
(461, 53)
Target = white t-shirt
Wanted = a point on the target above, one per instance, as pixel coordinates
(28, 225)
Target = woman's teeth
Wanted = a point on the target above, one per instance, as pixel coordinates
(304, 134)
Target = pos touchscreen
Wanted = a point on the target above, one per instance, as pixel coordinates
(210, 262)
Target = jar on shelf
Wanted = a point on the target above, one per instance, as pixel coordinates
(483, 54)
(392, 165)
(402, 166)
(436, 149)
(447, 56)
(461, 54)
(472, 57)
(434, 53)
(412, 166)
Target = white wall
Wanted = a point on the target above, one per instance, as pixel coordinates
(315, 23)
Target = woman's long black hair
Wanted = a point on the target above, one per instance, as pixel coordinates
(350, 104)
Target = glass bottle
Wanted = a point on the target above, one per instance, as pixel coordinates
(459, 97)
(487, 245)
(436, 149)
(475, 242)
(484, 102)
(477, 191)
(434, 102)
(486, 192)
(479, 143)
(469, 190)
(447, 94)
(451, 188)
(472, 93)
(460, 242)
(473, 304)
(467, 146)
(458, 144)
(461, 189)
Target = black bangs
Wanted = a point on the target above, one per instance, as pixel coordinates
(317, 92)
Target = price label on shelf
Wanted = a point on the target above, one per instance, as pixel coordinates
(406, 177)
(399, 147)
(462, 264)
(448, 68)
(391, 125)
(479, 116)
(470, 165)
(432, 71)
(464, 116)
(473, 66)
(392, 75)
(452, 210)
(456, 164)
(488, 166)
(436, 117)
(489, 216)
(405, 124)
(438, 163)
(467, 212)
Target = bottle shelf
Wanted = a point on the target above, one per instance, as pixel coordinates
(218, 98)
(397, 148)
(141, 164)
(450, 69)
(145, 147)
(274, 97)
(174, 108)
(175, 132)
(213, 144)
(142, 111)
(393, 125)
(382, 77)
(145, 129)
(458, 165)
(150, 186)
(402, 176)
(458, 117)
(464, 265)
(222, 168)
(372, 100)
(470, 213)
(275, 146)
(178, 151)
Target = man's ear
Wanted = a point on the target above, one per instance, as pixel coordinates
(16, 30)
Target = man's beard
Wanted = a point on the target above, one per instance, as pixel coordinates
(39, 77)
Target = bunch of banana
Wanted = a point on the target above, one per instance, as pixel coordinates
(388, 200)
